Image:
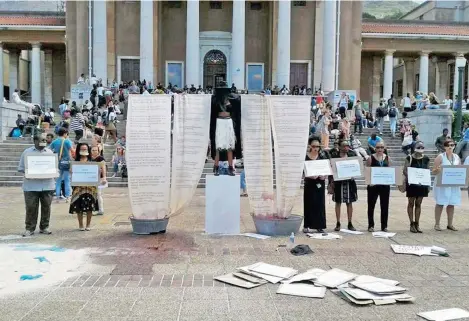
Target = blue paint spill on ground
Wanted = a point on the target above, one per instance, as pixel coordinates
(27, 277)
(41, 259)
(35, 248)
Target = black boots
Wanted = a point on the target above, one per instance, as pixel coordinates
(414, 227)
(231, 171)
(215, 170)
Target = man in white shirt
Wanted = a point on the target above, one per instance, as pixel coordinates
(93, 80)
(448, 102)
(81, 79)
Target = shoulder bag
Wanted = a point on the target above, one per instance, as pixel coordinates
(64, 165)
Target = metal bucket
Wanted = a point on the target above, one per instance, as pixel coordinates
(278, 226)
(146, 227)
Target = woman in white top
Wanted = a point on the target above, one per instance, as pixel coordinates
(446, 196)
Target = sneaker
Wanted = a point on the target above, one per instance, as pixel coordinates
(384, 230)
(87, 229)
(28, 233)
(306, 230)
(45, 231)
(371, 229)
(452, 228)
(67, 200)
(437, 227)
(81, 229)
(320, 230)
(350, 227)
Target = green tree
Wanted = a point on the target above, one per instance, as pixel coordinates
(367, 15)
(395, 15)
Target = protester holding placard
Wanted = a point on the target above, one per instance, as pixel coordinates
(37, 190)
(448, 196)
(378, 159)
(415, 193)
(96, 157)
(344, 191)
(84, 198)
(314, 197)
(63, 146)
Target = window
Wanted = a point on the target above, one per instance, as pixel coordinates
(256, 5)
(174, 70)
(216, 5)
(255, 76)
(400, 87)
(174, 4)
(299, 3)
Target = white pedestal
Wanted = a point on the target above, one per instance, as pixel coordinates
(222, 204)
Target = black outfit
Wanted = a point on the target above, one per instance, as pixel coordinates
(314, 201)
(413, 190)
(344, 191)
(235, 112)
(381, 191)
(78, 134)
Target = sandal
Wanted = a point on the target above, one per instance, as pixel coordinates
(437, 227)
(452, 228)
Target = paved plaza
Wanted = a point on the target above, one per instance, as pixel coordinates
(170, 276)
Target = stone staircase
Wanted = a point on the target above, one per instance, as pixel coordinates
(11, 149)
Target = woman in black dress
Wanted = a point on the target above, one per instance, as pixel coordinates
(343, 191)
(416, 193)
(314, 197)
(378, 159)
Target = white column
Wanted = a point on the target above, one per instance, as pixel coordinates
(48, 78)
(1, 73)
(192, 44)
(387, 81)
(459, 62)
(146, 41)
(238, 64)
(283, 43)
(36, 74)
(329, 45)
(13, 75)
(423, 74)
(100, 40)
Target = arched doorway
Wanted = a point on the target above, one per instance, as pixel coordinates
(214, 68)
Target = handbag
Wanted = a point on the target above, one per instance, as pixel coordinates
(403, 188)
(64, 165)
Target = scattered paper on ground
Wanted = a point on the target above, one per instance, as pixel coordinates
(270, 278)
(323, 236)
(369, 278)
(443, 315)
(335, 277)
(383, 234)
(256, 236)
(378, 287)
(274, 270)
(413, 250)
(231, 279)
(301, 289)
(351, 232)
(56, 265)
(309, 275)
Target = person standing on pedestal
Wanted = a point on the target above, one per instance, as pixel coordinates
(314, 197)
(225, 125)
(37, 190)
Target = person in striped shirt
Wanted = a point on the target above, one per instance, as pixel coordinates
(77, 124)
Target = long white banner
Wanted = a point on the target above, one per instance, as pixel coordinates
(190, 142)
(257, 153)
(290, 127)
(148, 155)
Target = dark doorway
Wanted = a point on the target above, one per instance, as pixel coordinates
(214, 68)
(130, 70)
(298, 74)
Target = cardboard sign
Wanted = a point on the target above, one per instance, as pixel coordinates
(384, 175)
(453, 176)
(40, 166)
(320, 167)
(346, 168)
(85, 174)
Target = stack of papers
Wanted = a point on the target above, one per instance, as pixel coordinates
(383, 234)
(333, 278)
(444, 315)
(324, 236)
(366, 290)
(419, 250)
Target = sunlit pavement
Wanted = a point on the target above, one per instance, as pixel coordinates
(169, 276)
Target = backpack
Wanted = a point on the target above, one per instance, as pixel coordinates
(392, 112)
(381, 112)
